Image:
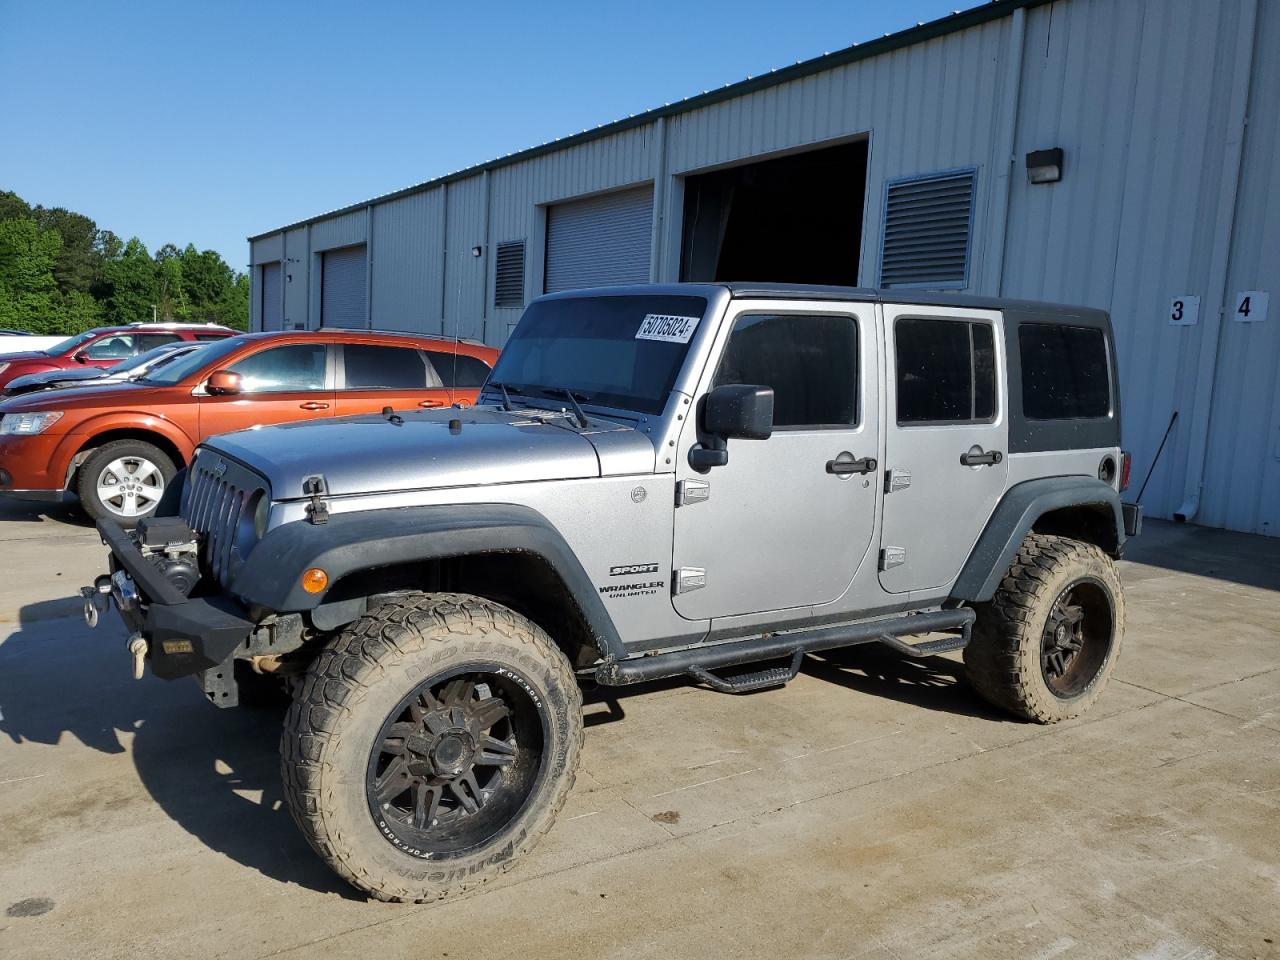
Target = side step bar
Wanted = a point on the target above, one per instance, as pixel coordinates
(696, 661)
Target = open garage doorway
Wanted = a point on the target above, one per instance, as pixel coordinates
(793, 219)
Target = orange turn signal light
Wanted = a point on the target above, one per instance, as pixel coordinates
(314, 580)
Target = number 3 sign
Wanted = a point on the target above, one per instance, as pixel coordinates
(1250, 306)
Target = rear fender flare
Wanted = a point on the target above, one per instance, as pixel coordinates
(1015, 517)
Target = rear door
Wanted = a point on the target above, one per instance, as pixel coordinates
(462, 373)
(373, 376)
(279, 384)
(947, 440)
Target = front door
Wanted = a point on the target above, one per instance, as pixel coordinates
(278, 385)
(945, 464)
(788, 520)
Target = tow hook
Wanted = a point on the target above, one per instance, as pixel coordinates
(138, 650)
(96, 600)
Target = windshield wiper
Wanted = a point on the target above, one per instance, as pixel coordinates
(572, 398)
(506, 397)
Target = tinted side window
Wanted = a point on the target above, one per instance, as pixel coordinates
(298, 366)
(148, 340)
(946, 371)
(1064, 372)
(117, 346)
(460, 370)
(810, 361)
(370, 367)
(211, 336)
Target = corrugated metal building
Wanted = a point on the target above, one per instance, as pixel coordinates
(904, 162)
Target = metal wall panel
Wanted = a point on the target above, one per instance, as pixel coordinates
(465, 295)
(297, 262)
(342, 231)
(1134, 93)
(1242, 470)
(599, 241)
(405, 252)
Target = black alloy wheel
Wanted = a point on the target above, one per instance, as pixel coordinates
(1077, 637)
(455, 761)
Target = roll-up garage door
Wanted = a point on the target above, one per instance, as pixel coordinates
(271, 302)
(599, 241)
(343, 288)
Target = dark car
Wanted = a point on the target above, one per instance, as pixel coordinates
(105, 347)
(138, 366)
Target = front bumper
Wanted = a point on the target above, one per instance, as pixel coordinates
(184, 635)
(32, 467)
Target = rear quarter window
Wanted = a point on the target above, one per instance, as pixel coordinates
(1065, 373)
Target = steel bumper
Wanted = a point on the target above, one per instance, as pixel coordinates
(183, 635)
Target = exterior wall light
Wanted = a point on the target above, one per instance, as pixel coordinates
(476, 251)
(1044, 166)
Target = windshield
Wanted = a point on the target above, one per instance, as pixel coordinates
(620, 352)
(145, 357)
(187, 364)
(71, 343)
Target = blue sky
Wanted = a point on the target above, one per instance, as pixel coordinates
(207, 122)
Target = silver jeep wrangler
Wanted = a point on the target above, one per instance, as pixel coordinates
(707, 481)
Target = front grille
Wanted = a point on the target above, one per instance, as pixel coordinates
(219, 491)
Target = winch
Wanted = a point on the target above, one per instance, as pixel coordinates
(170, 546)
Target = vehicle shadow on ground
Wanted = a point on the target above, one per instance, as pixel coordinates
(934, 683)
(68, 513)
(214, 772)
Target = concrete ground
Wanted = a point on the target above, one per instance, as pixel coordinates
(874, 808)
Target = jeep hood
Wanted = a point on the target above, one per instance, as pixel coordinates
(370, 454)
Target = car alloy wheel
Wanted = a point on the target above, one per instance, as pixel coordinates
(130, 486)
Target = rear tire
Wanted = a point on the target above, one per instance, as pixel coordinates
(124, 481)
(1045, 645)
(431, 746)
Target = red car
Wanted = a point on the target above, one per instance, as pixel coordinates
(117, 447)
(105, 347)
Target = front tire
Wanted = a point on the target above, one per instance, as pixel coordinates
(1045, 645)
(432, 745)
(124, 481)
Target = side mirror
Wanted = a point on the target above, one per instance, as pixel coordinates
(81, 357)
(734, 411)
(224, 382)
(739, 412)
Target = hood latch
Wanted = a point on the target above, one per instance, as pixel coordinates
(316, 488)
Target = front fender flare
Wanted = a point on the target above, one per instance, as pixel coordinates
(363, 540)
(1014, 518)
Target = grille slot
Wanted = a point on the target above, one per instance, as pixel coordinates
(218, 493)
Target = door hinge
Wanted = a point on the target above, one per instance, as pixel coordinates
(689, 579)
(891, 557)
(896, 480)
(692, 491)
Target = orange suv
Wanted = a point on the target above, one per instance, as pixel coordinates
(118, 447)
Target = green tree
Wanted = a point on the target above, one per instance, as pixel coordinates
(28, 290)
(234, 308)
(79, 263)
(131, 285)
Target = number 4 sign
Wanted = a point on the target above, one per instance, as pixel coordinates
(1250, 306)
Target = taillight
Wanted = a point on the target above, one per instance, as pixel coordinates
(1126, 463)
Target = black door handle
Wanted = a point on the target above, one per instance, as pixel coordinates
(844, 468)
(975, 457)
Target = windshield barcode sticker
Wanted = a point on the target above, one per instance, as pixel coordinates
(662, 326)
